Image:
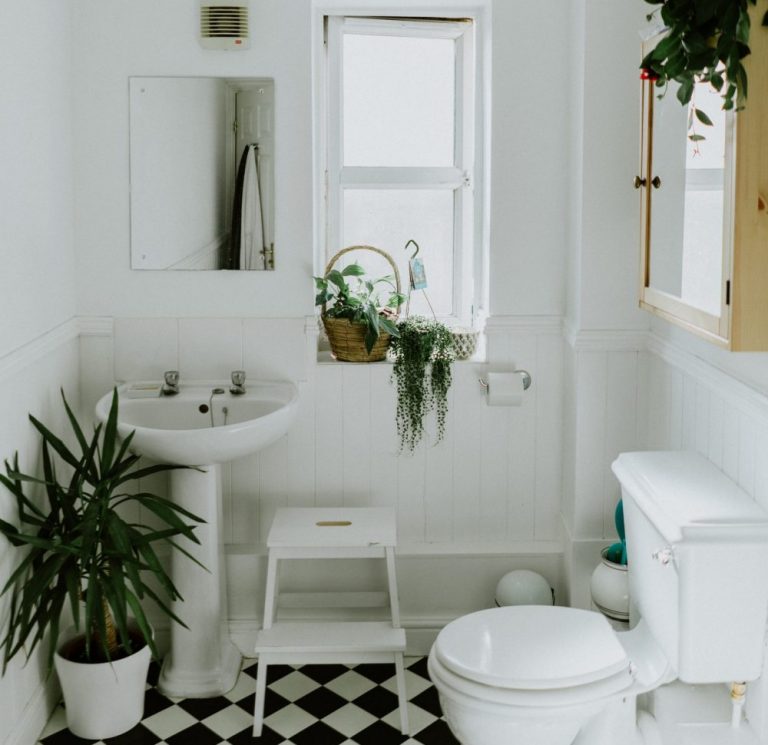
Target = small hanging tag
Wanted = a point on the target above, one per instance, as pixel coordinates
(418, 275)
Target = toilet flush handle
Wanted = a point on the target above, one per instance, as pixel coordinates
(663, 555)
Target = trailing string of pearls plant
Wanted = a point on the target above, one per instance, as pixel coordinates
(423, 354)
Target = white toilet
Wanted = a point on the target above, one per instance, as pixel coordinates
(548, 675)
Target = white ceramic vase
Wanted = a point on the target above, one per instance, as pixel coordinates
(610, 588)
(102, 699)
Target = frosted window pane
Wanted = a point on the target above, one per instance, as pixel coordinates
(387, 218)
(398, 101)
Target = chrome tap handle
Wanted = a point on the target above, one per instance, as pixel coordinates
(171, 385)
(238, 382)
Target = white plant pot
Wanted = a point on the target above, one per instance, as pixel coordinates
(610, 589)
(102, 699)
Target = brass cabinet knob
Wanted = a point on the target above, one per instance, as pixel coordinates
(638, 182)
(656, 182)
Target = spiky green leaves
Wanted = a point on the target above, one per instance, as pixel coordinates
(81, 551)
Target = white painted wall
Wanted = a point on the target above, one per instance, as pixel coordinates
(527, 252)
(604, 223)
(162, 39)
(529, 159)
(37, 272)
(38, 332)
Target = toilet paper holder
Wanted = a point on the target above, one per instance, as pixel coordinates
(527, 380)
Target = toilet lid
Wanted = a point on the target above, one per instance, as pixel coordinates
(531, 647)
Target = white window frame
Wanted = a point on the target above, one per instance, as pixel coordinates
(467, 177)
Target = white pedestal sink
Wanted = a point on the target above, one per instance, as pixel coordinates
(196, 428)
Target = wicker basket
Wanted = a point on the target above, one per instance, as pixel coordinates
(347, 339)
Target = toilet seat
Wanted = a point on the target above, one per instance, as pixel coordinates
(532, 656)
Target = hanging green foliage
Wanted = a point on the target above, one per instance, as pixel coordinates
(423, 351)
(706, 42)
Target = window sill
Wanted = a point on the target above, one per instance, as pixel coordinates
(324, 357)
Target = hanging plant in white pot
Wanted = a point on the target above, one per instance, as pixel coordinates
(81, 554)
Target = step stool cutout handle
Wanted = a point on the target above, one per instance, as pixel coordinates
(333, 523)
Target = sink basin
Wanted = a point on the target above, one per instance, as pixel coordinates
(192, 429)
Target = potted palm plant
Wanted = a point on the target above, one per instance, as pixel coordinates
(82, 553)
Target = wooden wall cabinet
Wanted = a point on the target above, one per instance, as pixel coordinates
(704, 211)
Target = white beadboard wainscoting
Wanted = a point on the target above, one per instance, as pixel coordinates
(603, 416)
(31, 377)
(484, 501)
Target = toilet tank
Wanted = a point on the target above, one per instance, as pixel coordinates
(698, 563)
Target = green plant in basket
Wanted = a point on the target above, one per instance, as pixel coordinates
(350, 294)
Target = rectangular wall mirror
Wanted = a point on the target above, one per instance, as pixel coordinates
(202, 173)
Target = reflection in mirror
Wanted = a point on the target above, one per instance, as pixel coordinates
(202, 173)
(689, 200)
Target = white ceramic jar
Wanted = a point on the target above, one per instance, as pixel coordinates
(610, 588)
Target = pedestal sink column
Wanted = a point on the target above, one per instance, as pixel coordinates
(202, 660)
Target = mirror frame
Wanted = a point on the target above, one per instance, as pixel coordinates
(664, 304)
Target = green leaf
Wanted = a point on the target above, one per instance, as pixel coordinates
(141, 621)
(372, 331)
(321, 283)
(389, 327)
(742, 27)
(685, 91)
(63, 451)
(702, 117)
(142, 473)
(696, 138)
(353, 270)
(337, 278)
(74, 423)
(109, 442)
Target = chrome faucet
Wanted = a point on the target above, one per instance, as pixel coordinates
(238, 383)
(171, 385)
(215, 392)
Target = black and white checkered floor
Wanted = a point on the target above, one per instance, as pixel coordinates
(308, 705)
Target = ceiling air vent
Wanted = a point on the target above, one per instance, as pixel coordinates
(224, 24)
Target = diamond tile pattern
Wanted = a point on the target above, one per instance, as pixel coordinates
(305, 705)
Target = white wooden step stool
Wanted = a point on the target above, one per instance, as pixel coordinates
(330, 533)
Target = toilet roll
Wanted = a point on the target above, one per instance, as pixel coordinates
(505, 389)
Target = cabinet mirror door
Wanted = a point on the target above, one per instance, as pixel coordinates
(686, 186)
